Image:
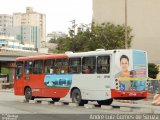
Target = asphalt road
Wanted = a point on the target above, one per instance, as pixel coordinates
(13, 104)
(12, 107)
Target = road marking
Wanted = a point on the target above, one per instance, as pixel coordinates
(89, 105)
(59, 103)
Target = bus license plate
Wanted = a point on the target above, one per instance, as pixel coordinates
(132, 94)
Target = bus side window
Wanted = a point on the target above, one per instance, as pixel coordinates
(61, 66)
(37, 67)
(28, 67)
(103, 64)
(48, 66)
(88, 65)
(75, 65)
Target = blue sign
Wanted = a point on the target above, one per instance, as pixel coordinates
(58, 81)
(122, 87)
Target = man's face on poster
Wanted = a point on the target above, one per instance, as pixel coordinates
(124, 64)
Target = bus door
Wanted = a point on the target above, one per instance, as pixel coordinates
(18, 79)
(28, 69)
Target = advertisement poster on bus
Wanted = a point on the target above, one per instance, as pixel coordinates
(58, 81)
(132, 70)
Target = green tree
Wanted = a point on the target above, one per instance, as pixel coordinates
(152, 70)
(5, 70)
(52, 40)
(110, 36)
(91, 37)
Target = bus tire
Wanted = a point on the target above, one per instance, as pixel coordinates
(55, 99)
(77, 98)
(28, 94)
(105, 102)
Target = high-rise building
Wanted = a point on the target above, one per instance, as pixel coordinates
(5, 21)
(142, 17)
(29, 27)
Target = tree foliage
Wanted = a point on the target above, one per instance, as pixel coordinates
(152, 70)
(90, 37)
(52, 40)
(5, 71)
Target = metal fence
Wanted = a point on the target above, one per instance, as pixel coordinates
(154, 86)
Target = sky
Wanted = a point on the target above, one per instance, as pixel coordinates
(59, 13)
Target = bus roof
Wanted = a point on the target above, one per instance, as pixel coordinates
(97, 52)
(42, 57)
(71, 54)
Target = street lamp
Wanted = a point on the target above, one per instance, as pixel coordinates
(126, 38)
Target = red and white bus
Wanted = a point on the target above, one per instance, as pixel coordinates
(101, 75)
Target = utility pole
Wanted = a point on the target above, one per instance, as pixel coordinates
(126, 38)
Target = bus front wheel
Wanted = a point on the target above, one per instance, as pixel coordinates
(105, 102)
(28, 94)
(77, 98)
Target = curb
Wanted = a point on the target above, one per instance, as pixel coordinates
(7, 90)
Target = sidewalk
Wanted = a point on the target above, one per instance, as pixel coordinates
(11, 90)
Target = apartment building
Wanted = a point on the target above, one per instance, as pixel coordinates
(29, 27)
(5, 21)
(55, 35)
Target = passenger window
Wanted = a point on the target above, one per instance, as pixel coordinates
(49, 66)
(75, 65)
(103, 64)
(61, 66)
(28, 67)
(37, 67)
(88, 65)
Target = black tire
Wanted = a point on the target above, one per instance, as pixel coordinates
(55, 99)
(77, 98)
(105, 102)
(28, 94)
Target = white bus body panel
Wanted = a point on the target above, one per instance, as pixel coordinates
(98, 86)
(93, 86)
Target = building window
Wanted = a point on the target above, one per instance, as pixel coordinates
(88, 65)
(75, 65)
(103, 64)
(28, 67)
(37, 67)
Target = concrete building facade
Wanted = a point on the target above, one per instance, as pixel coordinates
(142, 16)
(29, 27)
(5, 21)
